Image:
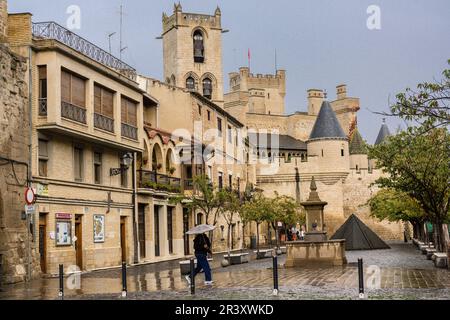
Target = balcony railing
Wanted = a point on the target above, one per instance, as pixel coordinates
(157, 181)
(72, 112)
(52, 30)
(188, 184)
(42, 106)
(103, 122)
(129, 131)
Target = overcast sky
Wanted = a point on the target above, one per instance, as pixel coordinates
(320, 43)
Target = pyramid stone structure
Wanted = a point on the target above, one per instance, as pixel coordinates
(358, 236)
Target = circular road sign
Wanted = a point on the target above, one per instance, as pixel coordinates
(30, 197)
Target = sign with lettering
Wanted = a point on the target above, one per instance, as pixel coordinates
(64, 216)
(42, 190)
(29, 209)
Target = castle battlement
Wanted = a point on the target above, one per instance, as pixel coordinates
(180, 18)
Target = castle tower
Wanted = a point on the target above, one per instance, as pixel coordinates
(383, 134)
(358, 152)
(328, 143)
(3, 21)
(315, 100)
(346, 109)
(256, 93)
(192, 49)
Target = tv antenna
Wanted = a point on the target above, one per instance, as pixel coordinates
(122, 14)
(109, 39)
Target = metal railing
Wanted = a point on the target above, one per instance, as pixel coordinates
(129, 131)
(42, 106)
(72, 112)
(188, 184)
(158, 181)
(52, 30)
(103, 122)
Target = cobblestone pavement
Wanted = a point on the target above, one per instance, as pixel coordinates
(404, 274)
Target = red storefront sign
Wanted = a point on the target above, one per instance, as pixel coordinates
(65, 216)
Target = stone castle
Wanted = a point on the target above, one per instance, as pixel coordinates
(98, 140)
(323, 141)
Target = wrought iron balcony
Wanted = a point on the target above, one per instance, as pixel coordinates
(52, 30)
(157, 181)
(103, 122)
(42, 106)
(188, 184)
(72, 112)
(129, 131)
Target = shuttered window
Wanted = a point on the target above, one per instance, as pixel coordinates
(103, 101)
(43, 157)
(78, 163)
(129, 112)
(73, 89)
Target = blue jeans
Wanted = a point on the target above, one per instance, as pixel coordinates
(202, 263)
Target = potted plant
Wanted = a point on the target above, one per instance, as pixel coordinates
(172, 170)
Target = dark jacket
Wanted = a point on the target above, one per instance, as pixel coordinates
(202, 245)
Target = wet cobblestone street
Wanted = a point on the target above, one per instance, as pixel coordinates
(404, 274)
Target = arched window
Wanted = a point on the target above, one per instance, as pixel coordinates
(207, 88)
(190, 83)
(199, 48)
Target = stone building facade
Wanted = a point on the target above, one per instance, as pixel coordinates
(106, 145)
(17, 243)
(3, 21)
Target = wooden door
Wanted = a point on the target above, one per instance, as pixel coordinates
(79, 242)
(43, 245)
(123, 238)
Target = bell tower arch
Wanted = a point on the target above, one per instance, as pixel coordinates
(192, 45)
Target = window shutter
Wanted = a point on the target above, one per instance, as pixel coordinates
(78, 92)
(65, 87)
(132, 114)
(97, 99)
(107, 103)
(124, 108)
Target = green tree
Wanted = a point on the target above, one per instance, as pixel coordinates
(417, 163)
(428, 105)
(394, 206)
(286, 210)
(258, 210)
(205, 199)
(231, 208)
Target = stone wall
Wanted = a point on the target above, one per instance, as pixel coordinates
(3, 20)
(14, 137)
(357, 191)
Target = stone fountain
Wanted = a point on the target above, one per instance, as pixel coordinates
(316, 249)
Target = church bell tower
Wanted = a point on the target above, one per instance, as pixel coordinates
(192, 48)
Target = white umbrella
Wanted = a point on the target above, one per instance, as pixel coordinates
(203, 228)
